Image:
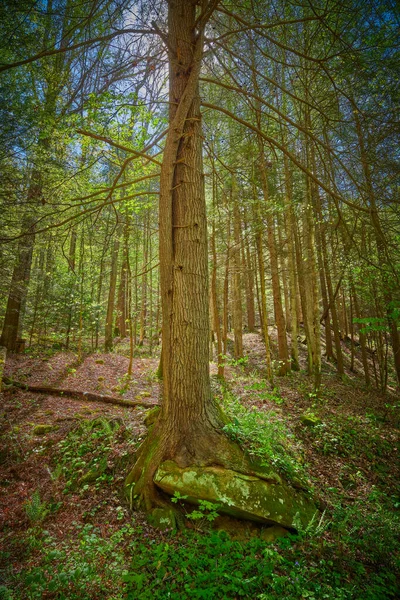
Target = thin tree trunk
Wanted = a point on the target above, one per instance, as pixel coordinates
(263, 296)
(19, 282)
(145, 255)
(362, 338)
(236, 277)
(108, 341)
(290, 228)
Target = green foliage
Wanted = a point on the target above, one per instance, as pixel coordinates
(207, 511)
(349, 436)
(234, 362)
(370, 530)
(35, 509)
(205, 514)
(212, 566)
(81, 569)
(177, 497)
(216, 567)
(209, 566)
(83, 454)
(264, 393)
(265, 436)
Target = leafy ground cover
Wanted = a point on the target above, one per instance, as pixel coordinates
(67, 532)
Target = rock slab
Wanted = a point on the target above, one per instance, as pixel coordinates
(242, 496)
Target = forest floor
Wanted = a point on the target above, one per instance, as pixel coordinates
(67, 531)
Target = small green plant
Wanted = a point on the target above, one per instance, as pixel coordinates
(84, 567)
(234, 362)
(35, 509)
(177, 497)
(206, 512)
(124, 383)
(57, 472)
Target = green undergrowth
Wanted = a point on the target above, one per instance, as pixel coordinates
(350, 554)
(350, 435)
(265, 436)
(82, 567)
(83, 454)
(350, 551)
(214, 566)
(360, 441)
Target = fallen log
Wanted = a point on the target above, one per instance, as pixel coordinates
(77, 395)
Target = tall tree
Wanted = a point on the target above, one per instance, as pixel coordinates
(189, 428)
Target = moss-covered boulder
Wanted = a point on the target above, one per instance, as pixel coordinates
(273, 533)
(268, 500)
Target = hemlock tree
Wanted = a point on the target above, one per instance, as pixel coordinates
(187, 441)
(186, 449)
(189, 426)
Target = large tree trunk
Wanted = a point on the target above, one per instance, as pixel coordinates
(188, 428)
(188, 431)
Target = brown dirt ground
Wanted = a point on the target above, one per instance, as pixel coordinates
(28, 460)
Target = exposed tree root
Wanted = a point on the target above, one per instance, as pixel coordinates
(77, 395)
(203, 447)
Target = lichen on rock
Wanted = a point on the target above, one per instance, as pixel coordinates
(271, 502)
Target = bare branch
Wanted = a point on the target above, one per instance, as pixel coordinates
(51, 52)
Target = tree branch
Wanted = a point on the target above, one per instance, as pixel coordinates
(45, 53)
(117, 145)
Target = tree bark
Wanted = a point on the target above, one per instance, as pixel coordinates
(237, 276)
(19, 285)
(189, 426)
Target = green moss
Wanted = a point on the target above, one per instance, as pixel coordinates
(239, 495)
(43, 429)
(310, 419)
(162, 518)
(151, 416)
(93, 474)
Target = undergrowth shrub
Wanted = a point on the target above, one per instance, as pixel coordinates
(264, 436)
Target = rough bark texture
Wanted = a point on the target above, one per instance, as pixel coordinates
(188, 429)
(290, 226)
(3, 355)
(214, 303)
(263, 297)
(189, 423)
